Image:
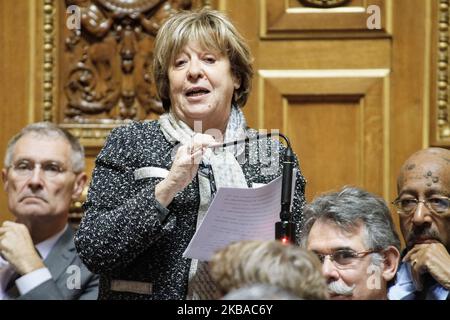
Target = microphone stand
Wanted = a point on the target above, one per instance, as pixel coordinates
(285, 228)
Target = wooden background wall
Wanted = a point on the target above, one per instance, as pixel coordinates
(355, 102)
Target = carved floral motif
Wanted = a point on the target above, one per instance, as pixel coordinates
(107, 64)
(443, 86)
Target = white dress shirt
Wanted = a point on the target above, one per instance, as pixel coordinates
(33, 279)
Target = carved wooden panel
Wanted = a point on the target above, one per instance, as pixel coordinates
(440, 72)
(98, 76)
(335, 120)
(322, 18)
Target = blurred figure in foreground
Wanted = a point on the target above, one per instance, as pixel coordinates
(252, 262)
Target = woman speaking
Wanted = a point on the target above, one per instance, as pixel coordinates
(153, 181)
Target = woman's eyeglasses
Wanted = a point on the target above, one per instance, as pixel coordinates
(344, 258)
(406, 206)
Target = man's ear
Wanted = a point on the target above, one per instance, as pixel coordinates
(390, 264)
(80, 182)
(5, 178)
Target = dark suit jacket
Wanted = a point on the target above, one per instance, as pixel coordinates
(66, 268)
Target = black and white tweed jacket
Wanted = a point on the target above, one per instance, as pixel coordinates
(126, 237)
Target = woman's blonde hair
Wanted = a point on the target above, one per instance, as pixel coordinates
(268, 262)
(212, 30)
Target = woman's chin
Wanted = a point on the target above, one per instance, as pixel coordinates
(199, 112)
(200, 115)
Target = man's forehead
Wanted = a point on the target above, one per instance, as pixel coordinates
(425, 173)
(326, 234)
(426, 167)
(38, 147)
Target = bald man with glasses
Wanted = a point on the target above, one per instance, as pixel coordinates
(352, 233)
(423, 206)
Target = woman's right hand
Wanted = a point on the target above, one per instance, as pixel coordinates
(184, 168)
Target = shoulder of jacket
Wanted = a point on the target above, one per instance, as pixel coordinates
(136, 127)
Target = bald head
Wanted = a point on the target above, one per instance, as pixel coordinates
(428, 162)
(424, 176)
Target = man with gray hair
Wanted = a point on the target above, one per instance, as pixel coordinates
(43, 173)
(352, 233)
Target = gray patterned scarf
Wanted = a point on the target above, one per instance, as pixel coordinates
(226, 172)
(226, 169)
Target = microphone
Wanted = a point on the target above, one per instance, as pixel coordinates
(285, 228)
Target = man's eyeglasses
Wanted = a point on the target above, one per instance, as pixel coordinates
(345, 258)
(407, 206)
(25, 168)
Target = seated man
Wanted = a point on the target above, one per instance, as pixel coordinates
(352, 233)
(43, 173)
(423, 205)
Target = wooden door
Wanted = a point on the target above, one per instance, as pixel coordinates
(350, 98)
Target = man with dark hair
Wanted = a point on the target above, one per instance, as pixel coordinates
(353, 235)
(423, 205)
(43, 173)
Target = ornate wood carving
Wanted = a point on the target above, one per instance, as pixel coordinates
(49, 59)
(443, 87)
(324, 3)
(109, 59)
(99, 77)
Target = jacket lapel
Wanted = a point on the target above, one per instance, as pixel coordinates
(62, 254)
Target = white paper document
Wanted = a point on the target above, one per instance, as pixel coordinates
(237, 214)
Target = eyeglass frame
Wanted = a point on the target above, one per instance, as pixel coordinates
(357, 255)
(424, 201)
(28, 172)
